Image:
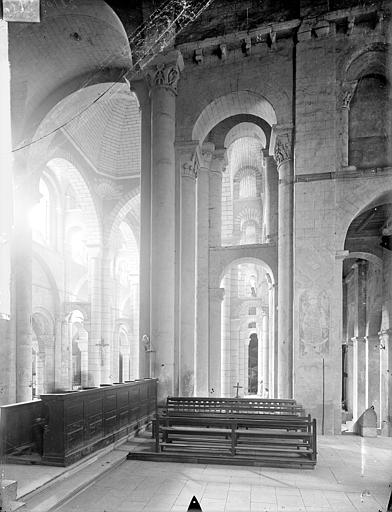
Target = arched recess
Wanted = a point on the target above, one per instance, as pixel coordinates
(235, 103)
(121, 277)
(62, 167)
(45, 309)
(77, 336)
(367, 304)
(365, 93)
(247, 309)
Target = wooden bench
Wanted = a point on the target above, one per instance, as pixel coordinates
(227, 407)
(284, 441)
(230, 406)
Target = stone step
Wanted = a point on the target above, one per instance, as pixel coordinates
(16, 505)
(8, 502)
(8, 489)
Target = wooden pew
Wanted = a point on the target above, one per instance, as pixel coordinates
(230, 406)
(227, 407)
(268, 440)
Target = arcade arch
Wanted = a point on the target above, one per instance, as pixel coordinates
(367, 306)
(247, 336)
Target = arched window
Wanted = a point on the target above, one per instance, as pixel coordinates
(40, 215)
(248, 186)
(367, 127)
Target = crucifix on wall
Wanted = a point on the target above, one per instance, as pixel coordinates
(101, 346)
(237, 388)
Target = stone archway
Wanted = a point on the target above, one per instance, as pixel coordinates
(247, 310)
(366, 312)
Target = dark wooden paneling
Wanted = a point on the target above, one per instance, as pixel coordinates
(16, 422)
(79, 423)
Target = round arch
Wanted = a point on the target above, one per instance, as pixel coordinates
(371, 60)
(247, 259)
(128, 207)
(235, 103)
(366, 194)
(78, 183)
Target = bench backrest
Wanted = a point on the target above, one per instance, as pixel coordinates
(231, 406)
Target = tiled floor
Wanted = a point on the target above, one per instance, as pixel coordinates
(352, 474)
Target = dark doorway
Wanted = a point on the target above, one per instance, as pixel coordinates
(120, 367)
(252, 364)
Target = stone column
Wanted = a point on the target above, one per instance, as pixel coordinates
(260, 362)
(373, 373)
(350, 376)
(202, 265)
(218, 165)
(216, 298)
(270, 197)
(107, 320)
(26, 196)
(385, 381)
(145, 223)
(272, 338)
(348, 90)
(186, 163)
(163, 76)
(283, 155)
(7, 344)
(359, 341)
(359, 376)
(98, 354)
(226, 339)
(265, 368)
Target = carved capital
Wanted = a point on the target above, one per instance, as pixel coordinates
(219, 161)
(188, 170)
(165, 71)
(205, 154)
(347, 92)
(186, 154)
(385, 333)
(283, 144)
(217, 294)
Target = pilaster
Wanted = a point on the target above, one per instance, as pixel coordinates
(204, 158)
(346, 95)
(282, 136)
(98, 358)
(215, 357)
(186, 162)
(217, 166)
(7, 342)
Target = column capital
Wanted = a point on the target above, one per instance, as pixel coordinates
(189, 170)
(347, 92)
(358, 339)
(164, 71)
(186, 155)
(384, 333)
(204, 154)
(219, 161)
(217, 294)
(281, 143)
